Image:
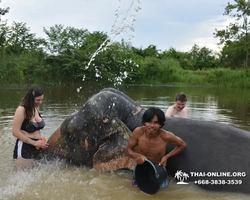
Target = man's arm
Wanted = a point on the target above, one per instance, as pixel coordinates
(131, 145)
(172, 139)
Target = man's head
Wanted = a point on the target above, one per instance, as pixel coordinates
(180, 101)
(151, 112)
(181, 97)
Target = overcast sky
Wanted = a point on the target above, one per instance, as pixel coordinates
(163, 23)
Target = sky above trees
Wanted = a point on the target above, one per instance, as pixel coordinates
(166, 24)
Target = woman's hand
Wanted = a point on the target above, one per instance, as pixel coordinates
(41, 144)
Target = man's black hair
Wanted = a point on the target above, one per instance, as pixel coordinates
(151, 112)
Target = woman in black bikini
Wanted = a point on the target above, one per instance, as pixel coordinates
(26, 128)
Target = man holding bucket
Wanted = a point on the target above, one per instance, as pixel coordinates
(152, 140)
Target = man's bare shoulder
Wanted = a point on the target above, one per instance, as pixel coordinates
(170, 111)
(139, 131)
(170, 108)
(171, 138)
(165, 132)
(166, 135)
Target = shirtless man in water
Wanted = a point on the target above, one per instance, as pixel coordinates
(179, 109)
(152, 140)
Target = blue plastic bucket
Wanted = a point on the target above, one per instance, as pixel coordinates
(149, 176)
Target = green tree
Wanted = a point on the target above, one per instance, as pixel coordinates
(202, 58)
(116, 64)
(182, 57)
(150, 51)
(62, 40)
(3, 26)
(64, 48)
(4, 31)
(233, 55)
(3, 11)
(21, 54)
(18, 38)
(240, 11)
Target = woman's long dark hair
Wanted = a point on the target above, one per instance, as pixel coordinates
(28, 101)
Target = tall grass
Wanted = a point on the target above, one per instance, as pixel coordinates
(28, 69)
(168, 71)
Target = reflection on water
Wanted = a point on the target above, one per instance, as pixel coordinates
(58, 180)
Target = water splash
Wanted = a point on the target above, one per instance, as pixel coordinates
(124, 23)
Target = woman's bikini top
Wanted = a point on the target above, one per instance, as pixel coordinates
(31, 127)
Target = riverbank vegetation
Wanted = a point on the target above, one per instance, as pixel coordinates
(68, 56)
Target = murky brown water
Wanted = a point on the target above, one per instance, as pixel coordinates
(58, 180)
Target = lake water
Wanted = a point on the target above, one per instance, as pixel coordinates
(60, 181)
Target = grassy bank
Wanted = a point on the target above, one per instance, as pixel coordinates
(150, 71)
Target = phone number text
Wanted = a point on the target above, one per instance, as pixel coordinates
(218, 182)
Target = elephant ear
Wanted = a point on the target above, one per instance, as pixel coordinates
(111, 153)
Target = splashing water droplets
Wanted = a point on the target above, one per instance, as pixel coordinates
(124, 22)
(78, 89)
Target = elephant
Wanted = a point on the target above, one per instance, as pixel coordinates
(216, 157)
(98, 133)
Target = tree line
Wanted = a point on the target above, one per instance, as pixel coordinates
(64, 57)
